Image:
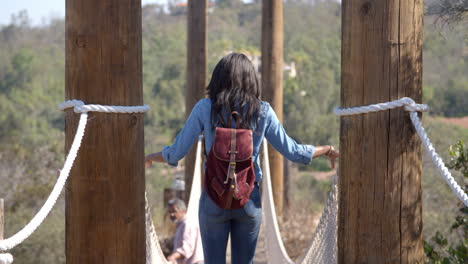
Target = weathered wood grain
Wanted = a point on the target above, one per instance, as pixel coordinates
(196, 72)
(380, 164)
(272, 84)
(105, 204)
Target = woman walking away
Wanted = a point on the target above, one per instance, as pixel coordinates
(234, 122)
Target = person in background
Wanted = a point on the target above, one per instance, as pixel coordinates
(187, 241)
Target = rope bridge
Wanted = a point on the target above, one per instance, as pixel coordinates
(323, 245)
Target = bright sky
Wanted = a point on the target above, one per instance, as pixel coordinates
(40, 10)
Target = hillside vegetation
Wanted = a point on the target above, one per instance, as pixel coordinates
(32, 83)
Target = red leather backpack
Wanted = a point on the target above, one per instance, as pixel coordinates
(229, 174)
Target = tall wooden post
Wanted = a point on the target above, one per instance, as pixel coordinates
(380, 216)
(105, 203)
(272, 83)
(196, 72)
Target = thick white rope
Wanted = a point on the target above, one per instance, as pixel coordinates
(80, 107)
(6, 258)
(154, 253)
(459, 192)
(274, 244)
(323, 246)
(196, 190)
(411, 106)
(408, 103)
(405, 102)
(19, 237)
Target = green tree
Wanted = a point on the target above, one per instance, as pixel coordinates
(449, 11)
(440, 250)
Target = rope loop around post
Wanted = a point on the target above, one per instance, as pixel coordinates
(406, 102)
(411, 106)
(80, 107)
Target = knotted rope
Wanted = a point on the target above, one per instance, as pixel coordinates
(79, 107)
(413, 108)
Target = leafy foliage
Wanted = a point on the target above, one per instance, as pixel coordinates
(449, 11)
(441, 250)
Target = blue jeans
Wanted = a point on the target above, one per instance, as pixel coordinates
(243, 224)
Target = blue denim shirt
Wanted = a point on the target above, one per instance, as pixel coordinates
(199, 121)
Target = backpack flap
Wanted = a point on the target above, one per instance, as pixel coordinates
(243, 138)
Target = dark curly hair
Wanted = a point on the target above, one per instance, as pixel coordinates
(234, 86)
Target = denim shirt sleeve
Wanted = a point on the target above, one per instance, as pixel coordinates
(288, 147)
(193, 127)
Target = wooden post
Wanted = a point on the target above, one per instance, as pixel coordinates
(2, 219)
(380, 216)
(105, 202)
(272, 83)
(196, 72)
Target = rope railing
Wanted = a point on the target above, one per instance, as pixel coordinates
(323, 245)
(322, 248)
(154, 253)
(19, 237)
(274, 244)
(79, 107)
(406, 102)
(413, 108)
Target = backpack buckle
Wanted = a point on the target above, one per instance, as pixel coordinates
(231, 173)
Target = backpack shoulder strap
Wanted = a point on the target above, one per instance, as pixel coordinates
(238, 119)
(221, 120)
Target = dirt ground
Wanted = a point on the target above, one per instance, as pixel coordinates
(459, 121)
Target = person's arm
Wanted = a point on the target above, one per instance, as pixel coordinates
(288, 147)
(154, 157)
(183, 142)
(328, 151)
(189, 240)
(174, 257)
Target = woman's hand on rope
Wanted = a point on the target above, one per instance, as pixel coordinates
(148, 163)
(328, 151)
(154, 157)
(332, 155)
